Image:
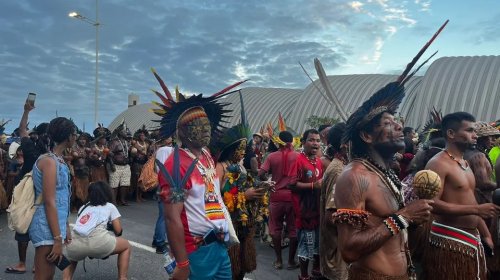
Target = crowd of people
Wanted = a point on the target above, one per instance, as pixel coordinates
(341, 198)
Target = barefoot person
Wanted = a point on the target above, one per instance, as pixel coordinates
(455, 250)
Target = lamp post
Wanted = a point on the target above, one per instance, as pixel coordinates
(96, 24)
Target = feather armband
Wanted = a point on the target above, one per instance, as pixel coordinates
(354, 217)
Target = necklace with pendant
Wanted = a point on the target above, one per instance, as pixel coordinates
(466, 167)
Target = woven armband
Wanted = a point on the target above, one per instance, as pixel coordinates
(354, 217)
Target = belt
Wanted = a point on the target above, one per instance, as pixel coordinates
(208, 239)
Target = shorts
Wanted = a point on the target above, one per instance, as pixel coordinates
(308, 243)
(99, 244)
(279, 212)
(121, 176)
(210, 262)
(22, 237)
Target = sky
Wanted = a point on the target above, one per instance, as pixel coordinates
(203, 46)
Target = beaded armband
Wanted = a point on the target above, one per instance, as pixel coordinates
(354, 217)
(395, 223)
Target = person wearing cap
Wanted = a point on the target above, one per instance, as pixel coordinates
(195, 214)
(258, 147)
(279, 164)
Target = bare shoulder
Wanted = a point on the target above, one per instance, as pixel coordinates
(437, 162)
(352, 186)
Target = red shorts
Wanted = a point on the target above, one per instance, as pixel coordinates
(279, 212)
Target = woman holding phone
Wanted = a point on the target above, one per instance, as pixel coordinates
(49, 227)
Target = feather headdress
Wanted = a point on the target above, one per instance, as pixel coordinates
(3, 123)
(231, 137)
(121, 128)
(143, 130)
(101, 131)
(432, 127)
(387, 99)
(170, 109)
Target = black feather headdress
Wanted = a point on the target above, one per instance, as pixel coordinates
(101, 131)
(387, 99)
(142, 130)
(170, 109)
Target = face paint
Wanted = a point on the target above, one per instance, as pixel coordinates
(239, 153)
(198, 132)
(388, 135)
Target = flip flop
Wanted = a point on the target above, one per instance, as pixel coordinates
(292, 266)
(14, 270)
(277, 265)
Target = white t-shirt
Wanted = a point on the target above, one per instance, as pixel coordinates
(93, 216)
(162, 154)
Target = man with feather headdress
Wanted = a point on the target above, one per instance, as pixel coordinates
(371, 217)
(195, 214)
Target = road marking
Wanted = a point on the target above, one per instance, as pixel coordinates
(134, 244)
(142, 246)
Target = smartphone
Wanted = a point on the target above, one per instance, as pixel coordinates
(63, 263)
(31, 98)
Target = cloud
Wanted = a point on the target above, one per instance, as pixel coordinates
(356, 6)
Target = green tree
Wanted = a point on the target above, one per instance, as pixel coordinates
(315, 121)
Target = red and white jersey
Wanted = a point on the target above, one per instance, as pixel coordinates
(203, 204)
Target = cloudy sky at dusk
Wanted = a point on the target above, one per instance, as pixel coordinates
(203, 46)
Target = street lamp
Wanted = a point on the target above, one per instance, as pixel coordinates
(96, 24)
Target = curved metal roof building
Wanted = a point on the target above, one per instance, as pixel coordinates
(450, 84)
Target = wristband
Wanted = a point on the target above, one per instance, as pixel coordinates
(391, 226)
(59, 237)
(183, 264)
(399, 220)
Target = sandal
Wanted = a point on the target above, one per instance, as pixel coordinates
(277, 265)
(14, 270)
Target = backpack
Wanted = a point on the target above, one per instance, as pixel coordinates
(148, 179)
(23, 205)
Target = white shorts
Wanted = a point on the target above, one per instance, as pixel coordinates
(121, 176)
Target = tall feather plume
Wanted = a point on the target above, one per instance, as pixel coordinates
(270, 129)
(163, 99)
(410, 65)
(244, 120)
(162, 84)
(328, 88)
(281, 122)
(228, 88)
(316, 86)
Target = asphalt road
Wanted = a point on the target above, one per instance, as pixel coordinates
(138, 221)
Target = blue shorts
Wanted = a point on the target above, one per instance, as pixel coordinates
(308, 243)
(210, 262)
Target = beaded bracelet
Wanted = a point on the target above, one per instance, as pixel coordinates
(391, 225)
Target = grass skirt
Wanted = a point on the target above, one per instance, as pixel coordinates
(243, 256)
(448, 259)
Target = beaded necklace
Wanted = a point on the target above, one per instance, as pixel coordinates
(465, 168)
(392, 181)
